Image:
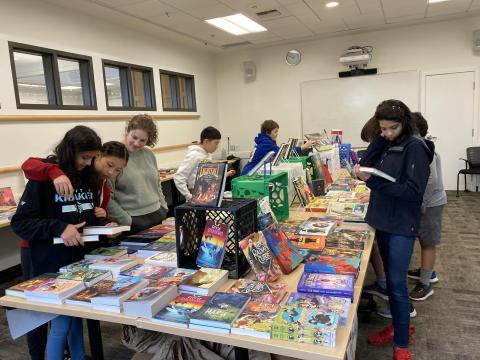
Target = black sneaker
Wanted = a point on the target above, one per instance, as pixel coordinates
(376, 290)
(384, 311)
(415, 274)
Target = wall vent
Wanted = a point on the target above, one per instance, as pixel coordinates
(233, 45)
(269, 14)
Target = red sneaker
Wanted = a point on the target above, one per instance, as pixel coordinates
(402, 354)
(385, 337)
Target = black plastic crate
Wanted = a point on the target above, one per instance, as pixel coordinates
(240, 216)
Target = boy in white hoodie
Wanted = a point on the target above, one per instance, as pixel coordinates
(185, 176)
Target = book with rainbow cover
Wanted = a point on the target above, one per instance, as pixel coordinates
(177, 312)
(212, 246)
(282, 248)
(327, 284)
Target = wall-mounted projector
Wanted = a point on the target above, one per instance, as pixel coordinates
(357, 59)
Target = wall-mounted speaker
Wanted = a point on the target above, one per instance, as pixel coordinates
(249, 71)
(476, 40)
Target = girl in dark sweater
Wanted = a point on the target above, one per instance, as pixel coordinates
(394, 210)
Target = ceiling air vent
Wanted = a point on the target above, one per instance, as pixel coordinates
(268, 14)
(238, 44)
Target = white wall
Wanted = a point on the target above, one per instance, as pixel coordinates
(42, 24)
(275, 94)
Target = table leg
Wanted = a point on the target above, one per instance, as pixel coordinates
(95, 338)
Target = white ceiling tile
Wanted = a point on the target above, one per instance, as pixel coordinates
(289, 2)
(171, 19)
(404, 8)
(147, 9)
(370, 7)
(254, 5)
(399, 19)
(330, 26)
(287, 28)
(345, 8)
(364, 21)
(117, 3)
(190, 4)
(447, 7)
(261, 38)
(303, 13)
(210, 12)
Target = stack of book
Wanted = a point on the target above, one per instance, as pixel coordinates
(219, 312)
(149, 300)
(347, 211)
(87, 276)
(163, 258)
(256, 319)
(204, 281)
(147, 271)
(317, 205)
(331, 264)
(145, 237)
(114, 265)
(18, 290)
(327, 284)
(156, 247)
(54, 290)
(177, 312)
(107, 252)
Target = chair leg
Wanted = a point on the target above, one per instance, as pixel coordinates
(465, 178)
(458, 178)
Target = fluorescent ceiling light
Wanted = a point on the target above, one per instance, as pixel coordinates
(436, 1)
(237, 24)
(331, 4)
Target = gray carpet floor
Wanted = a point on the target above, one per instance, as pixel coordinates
(447, 325)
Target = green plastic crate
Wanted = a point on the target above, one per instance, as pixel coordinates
(274, 186)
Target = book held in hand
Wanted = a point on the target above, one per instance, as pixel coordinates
(212, 246)
(84, 238)
(105, 230)
(376, 172)
(209, 184)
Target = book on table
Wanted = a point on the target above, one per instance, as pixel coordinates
(327, 284)
(209, 184)
(6, 197)
(87, 276)
(175, 276)
(204, 281)
(219, 312)
(177, 312)
(77, 265)
(156, 247)
(347, 211)
(260, 257)
(163, 258)
(114, 265)
(212, 245)
(376, 172)
(328, 264)
(153, 233)
(147, 271)
(18, 290)
(107, 252)
(149, 300)
(256, 319)
(315, 226)
(302, 190)
(105, 230)
(332, 304)
(114, 293)
(54, 290)
(259, 291)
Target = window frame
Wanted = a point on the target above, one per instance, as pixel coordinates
(126, 87)
(176, 96)
(52, 77)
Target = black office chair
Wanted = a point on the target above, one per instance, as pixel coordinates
(472, 165)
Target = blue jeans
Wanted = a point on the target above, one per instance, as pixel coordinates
(65, 328)
(396, 252)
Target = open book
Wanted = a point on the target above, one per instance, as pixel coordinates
(376, 172)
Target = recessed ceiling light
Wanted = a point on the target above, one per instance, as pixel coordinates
(331, 4)
(237, 24)
(436, 1)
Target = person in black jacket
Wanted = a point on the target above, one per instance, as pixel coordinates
(394, 210)
(42, 214)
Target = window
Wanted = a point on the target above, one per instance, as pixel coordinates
(178, 91)
(51, 79)
(128, 87)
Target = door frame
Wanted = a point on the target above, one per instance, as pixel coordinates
(476, 93)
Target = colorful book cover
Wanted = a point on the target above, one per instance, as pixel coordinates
(107, 252)
(163, 259)
(54, 288)
(260, 257)
(315, 226)
(336, 305)
(265, 220)
(317, 205)
(31, 284)
(84, 297)
(179, 309)
(175, 276)
(327, 284)
(256, 319)
(282, 248)
(332, 265)
(348, 239)
(147, 271)
(290, 227)
(221, 310)
(209, 184)
(114, 288)
(159, 245)
(154, 232)
(316, 243)
(148, 293)
(302, 190)
(88, 276)
(259, 291)
(204, 278)
(347, 253)
(6, 197)
(212, 246)
(82, 264)
(347, 211)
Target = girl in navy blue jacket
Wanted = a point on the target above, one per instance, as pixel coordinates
(394, 210)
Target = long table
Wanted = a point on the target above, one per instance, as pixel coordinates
(286, 348)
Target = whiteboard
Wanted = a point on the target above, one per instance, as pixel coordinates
(348, 103)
